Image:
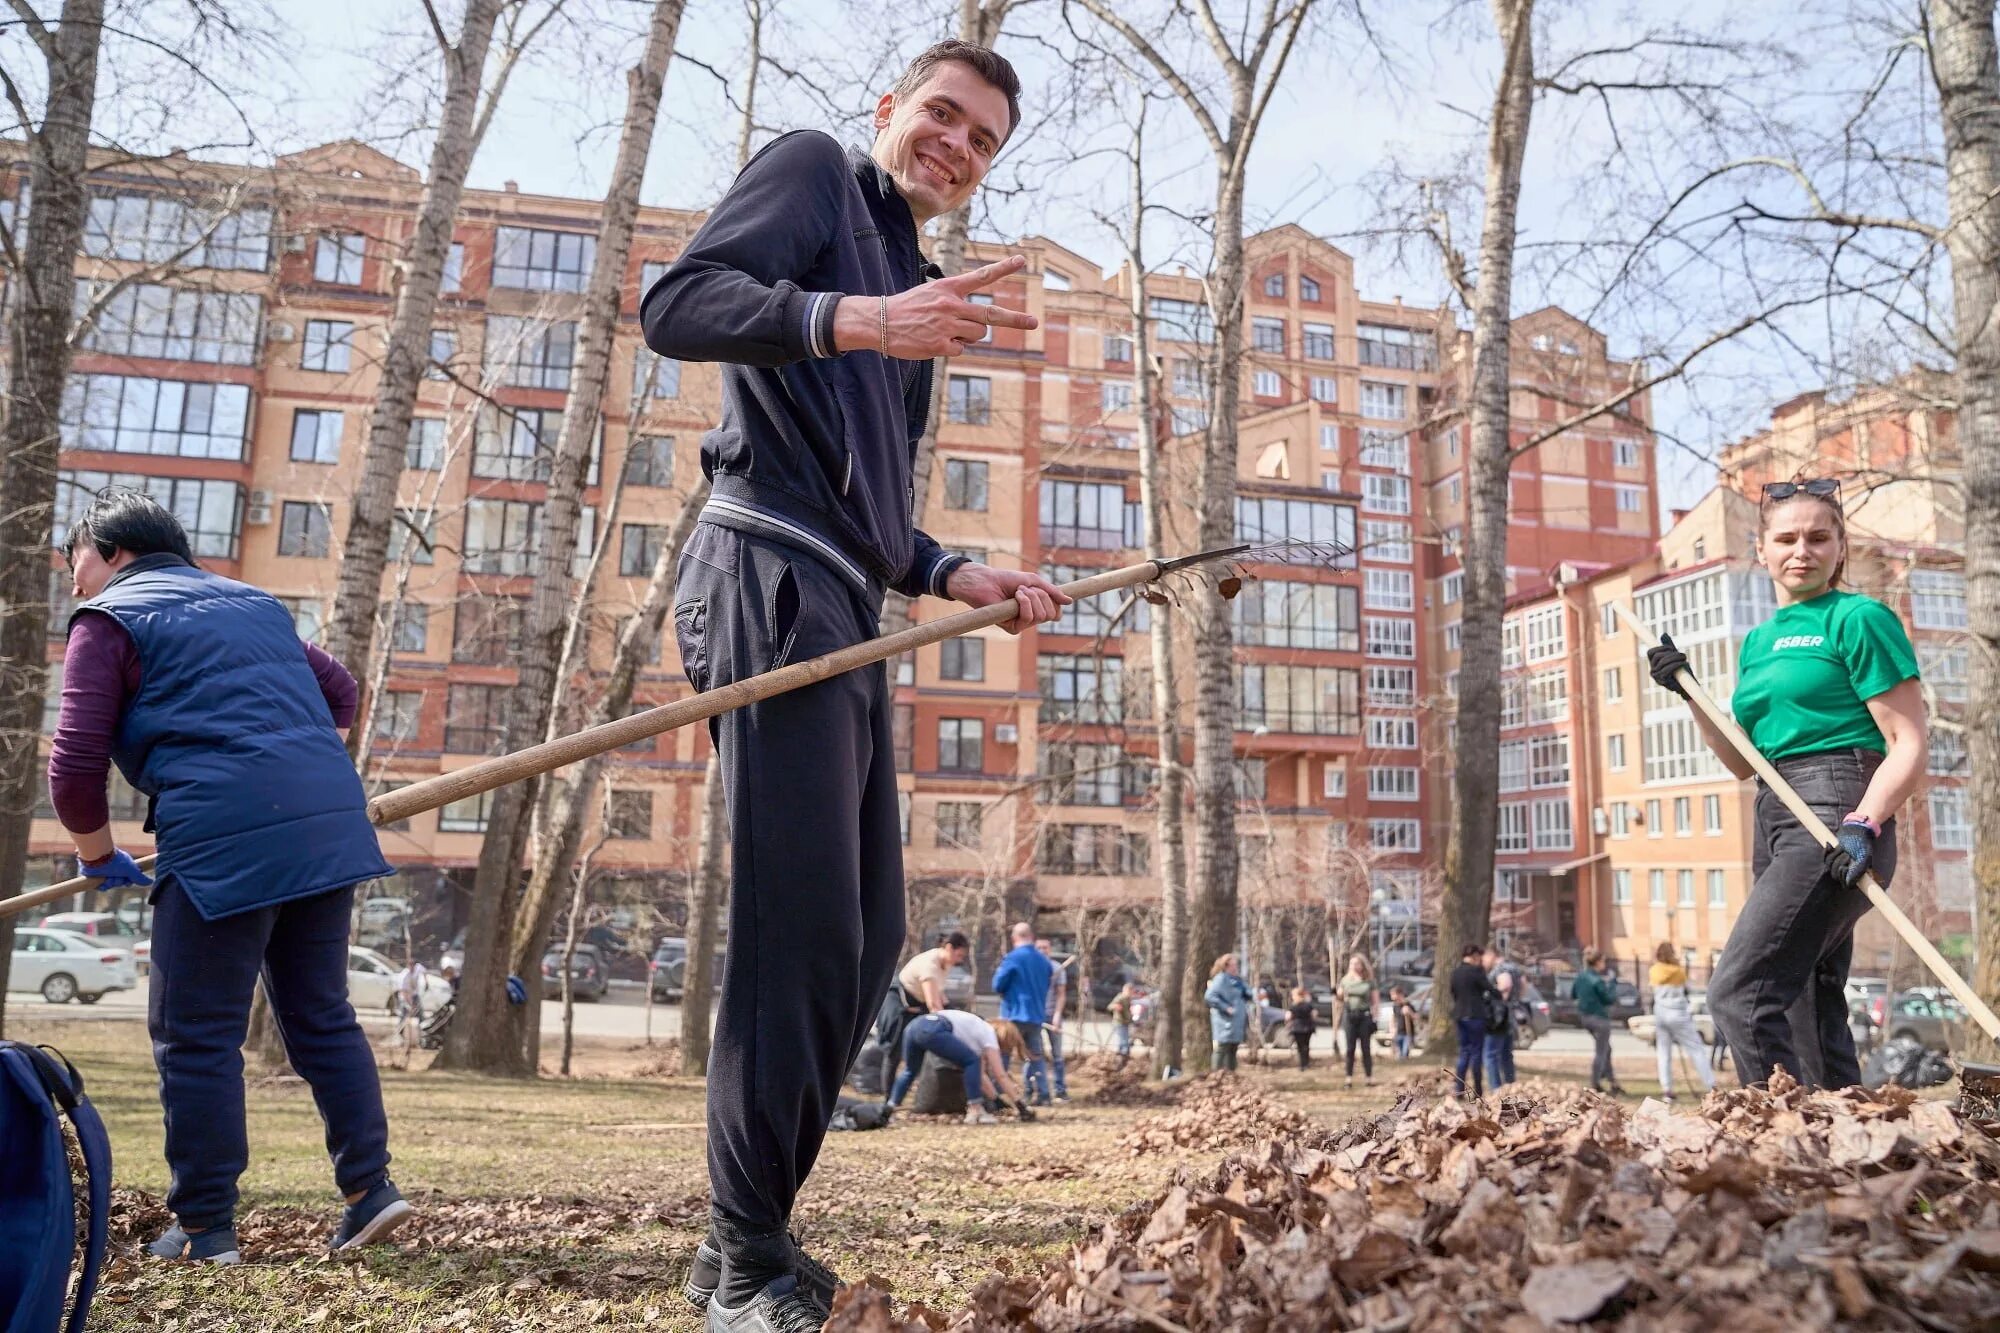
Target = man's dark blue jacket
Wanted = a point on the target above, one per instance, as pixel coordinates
(816, 448)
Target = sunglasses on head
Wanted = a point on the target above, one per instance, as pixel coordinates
(1824, 488)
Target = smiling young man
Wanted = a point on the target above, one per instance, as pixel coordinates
(808, 284)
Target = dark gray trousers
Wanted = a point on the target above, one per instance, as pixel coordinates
(1779, 994)
(816, 869)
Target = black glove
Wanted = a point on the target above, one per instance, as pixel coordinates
(1664, 661)
(1852, 852)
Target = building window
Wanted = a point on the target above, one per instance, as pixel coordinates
(965, 484)
(961, 744)
(337, 258)
(1275, 520)
(1117, 347)
(1080, 687)
(1513, 765)
(1392, 784)
(969, 400)
(444, 346)
(1947, 670)
(452, 280)
(1300, 700)
(1386, 449)
(639, 547)
(958, 824)
(1621, 887)
(1115, 396)
(1684, 888)
(629, 814)
(1077, 774)
(1392, 687)
(1396, 835)
(1614, 749)
(130, 414)
(1548, 761)
(307, 620)
(532, 260)
(1182, 321)
(160, 230)
(655, 376)
(475, 719)
(1390, 590)
(1718, 888)
(1392, 733)
(210, 511)
(1513, 827)
(1451, 589)
(468, 815)
(531, 353)
(1711, 813)
(1552, 826)
(1951, 825)
(413, 537)
(1947, 754)
(1395, 348)
(1091, 849)
(1656, 888)
(327, 345)
(1325, 389)
(1266, 384)
(1329, 438)
(148, 319)
(398, 714)
(516, 443)
(1454, 636)
(1083, 514)
(1333, 781)
(1614, 685)
(316, 436)
(1621, 820)
(1274, 286)
(1384, 495)
(1631, 499)
(423, 450)
(1656, 826)
(1319, 342)
(1390, 637)
(412, 631)
(1542, 633)
(487, 631)
(649, 461)
(1937, 599)
(1384, 402)
(501, 536)
(1548, 696)
(1624, 453)
(1683, 816)
(305, 528)
(1607, 622)
(1267, 335)
(962, 659)
(1104, 616)
(1308, 289)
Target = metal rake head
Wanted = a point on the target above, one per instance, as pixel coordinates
(1223, 567)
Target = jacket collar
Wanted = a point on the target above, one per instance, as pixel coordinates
(146, 563)
(890, 209)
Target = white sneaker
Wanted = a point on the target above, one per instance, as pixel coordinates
(978, 1115)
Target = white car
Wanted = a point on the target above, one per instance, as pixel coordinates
(113, 930)
(372, 982)
(1644, 1026)
(65, 966)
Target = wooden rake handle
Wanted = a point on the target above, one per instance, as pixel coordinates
(21, 902)
(1813, 824)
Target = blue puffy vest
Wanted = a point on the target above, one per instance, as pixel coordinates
(254, 799)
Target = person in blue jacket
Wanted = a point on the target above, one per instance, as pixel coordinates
(1229, 1003)
(198, 688)
(1022, 982)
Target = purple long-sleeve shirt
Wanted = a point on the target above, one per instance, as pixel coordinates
(100, 677)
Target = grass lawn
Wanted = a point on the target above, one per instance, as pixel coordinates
(571, 1205)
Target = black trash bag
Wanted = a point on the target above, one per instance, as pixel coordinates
(939, 1089)
(866, 1076)
(850, 1114)
(1907, 1064)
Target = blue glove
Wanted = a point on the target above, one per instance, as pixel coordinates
(120, 872)
(1852, 852)
(517, 991)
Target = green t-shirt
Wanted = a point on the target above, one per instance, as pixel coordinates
(1354, 993)
(1807, 673)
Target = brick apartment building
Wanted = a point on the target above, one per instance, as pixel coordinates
(235, 381)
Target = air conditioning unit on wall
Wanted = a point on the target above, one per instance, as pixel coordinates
(1006, 733)
(280, 331)
(258, 511)
(1600, 822)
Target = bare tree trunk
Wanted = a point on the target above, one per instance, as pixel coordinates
(491, 1035)
(705, 897)
(350, 629)
(39, 346)
(1153, 490)
(1966, 68)
(577, 900)
(1468, 892)
(264, 1043)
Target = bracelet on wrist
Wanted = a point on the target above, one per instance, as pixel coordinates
(1856, 817)
(883, 318)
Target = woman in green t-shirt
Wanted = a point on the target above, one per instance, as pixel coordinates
(1827, 689)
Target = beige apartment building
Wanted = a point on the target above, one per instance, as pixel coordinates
(235, 375)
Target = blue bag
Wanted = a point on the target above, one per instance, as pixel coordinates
(37, 1197)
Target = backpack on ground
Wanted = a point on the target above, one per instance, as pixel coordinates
(38, 1088)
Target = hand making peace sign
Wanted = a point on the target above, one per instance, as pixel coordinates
(932, 319)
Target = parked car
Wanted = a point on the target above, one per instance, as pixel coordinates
(114, 930)
(1644, 1027)
(1928, 1016)
(667, 971)
(587, 979)
(65, 966)
(1560, 989)
(1872, 994)
(372, 982)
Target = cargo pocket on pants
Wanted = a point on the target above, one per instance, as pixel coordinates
(691, 637)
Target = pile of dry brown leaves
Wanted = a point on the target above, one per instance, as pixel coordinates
(1214, 1114)
(1768, 1210)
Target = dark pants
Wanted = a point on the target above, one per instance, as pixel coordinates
(1599, 1028)
(1499, 1058)
(1225, 1054)
(816, 871)
(1471, 1054)
(198, 1012)
(1355, 1027)
(933, 1034)
(1302, 1043)
(1034, 1069)
(1056, 1063)
(1779, 995)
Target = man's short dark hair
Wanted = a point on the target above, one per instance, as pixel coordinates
(988, 64)
(956, 940)
(122, 519)
(1472, 951)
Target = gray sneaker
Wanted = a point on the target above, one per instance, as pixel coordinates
(705, 1274)
(782, 1307)
(217, 1245)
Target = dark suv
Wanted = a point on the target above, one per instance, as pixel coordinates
(587, 979)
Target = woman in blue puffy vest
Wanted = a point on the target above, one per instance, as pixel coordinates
(199, 689)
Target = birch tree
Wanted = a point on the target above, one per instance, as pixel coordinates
(505, 930)
(1246, 71)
